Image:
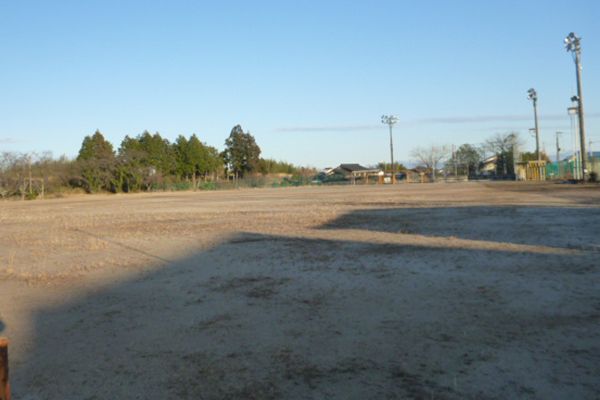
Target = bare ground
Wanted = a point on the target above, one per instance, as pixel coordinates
(439, 291)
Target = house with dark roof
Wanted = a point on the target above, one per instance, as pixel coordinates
(355, 170)
(352, 172)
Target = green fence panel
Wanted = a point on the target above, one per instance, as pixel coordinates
(570, 169)
(259, 183)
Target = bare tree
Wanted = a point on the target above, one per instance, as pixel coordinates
(430, 156)
(503, 145)
(14, 174)
(5, 165)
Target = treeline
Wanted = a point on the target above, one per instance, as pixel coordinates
(143, 161)
(138, 164)
(26, 175)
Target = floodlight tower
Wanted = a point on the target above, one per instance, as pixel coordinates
(390, 120)
(572, 43)
(532, 95)
(573, 111)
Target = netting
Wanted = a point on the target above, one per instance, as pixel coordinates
(570, 169)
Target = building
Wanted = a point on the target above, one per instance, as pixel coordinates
(355, 171)
(488, 166)
(348, 173)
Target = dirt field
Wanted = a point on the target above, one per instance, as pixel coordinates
(437, 291)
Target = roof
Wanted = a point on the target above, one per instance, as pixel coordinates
(353, 167)
(488, 160)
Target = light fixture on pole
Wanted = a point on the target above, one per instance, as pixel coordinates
(532, 95)
(390, 120)
(572, 43)
(532, 132)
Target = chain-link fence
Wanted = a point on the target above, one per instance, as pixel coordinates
(571, 169)
(249, 183)
(297, 181)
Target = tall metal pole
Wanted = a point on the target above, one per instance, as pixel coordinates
(573, 111)
(581, 118)
(532, 95)
(572, 43)
(392, 150)
(537, 130)
(390, 120)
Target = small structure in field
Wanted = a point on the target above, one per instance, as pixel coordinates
(531, 170)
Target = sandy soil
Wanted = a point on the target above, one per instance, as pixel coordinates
(437, 291)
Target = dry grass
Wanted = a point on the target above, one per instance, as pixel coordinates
(313, 291)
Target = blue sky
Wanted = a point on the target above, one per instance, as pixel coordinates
(310, 80)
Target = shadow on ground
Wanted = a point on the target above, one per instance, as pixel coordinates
(587, 193)
(271, 317)
(563, 227)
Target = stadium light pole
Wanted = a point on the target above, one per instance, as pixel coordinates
(558, 149)
(532, 95)
(573, 111)
(572, 43)
(390, 120)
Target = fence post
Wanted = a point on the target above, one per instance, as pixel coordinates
(4, 381)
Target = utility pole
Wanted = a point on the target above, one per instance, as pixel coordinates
(572, 43)
(532, 95)
(558, 147)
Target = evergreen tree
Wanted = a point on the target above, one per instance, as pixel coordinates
(95, 148)
(95, 163)
(158, 152)
(467, 159)
(129, 144)
(214, 159)
(183, 167)
(197, 156)
(242, 154)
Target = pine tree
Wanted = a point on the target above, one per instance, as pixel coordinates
(183, 167)
(95, 148)
(242, 154)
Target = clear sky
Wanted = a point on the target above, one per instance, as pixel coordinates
(309, 79)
